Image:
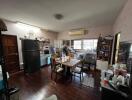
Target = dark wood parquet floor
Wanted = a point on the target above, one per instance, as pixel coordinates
(39, 85)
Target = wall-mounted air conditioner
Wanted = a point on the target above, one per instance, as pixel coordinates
(78, 32)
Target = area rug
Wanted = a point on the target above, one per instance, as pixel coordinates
(88, 81)
(52, 97)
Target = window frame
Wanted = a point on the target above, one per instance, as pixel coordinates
(82, 48)
(77, 40)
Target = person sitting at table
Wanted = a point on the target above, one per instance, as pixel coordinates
(65, 50)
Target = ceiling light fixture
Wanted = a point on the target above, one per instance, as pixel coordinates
(58, 16)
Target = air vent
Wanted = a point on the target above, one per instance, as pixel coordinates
(78, 32)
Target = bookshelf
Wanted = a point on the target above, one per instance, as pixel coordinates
(104, 48)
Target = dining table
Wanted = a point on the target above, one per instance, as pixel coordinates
(68, 64)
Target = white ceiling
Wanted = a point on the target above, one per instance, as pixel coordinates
(77, 13)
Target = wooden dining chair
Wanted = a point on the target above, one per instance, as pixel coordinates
(78, 71)
(56, 68)
(89, 60)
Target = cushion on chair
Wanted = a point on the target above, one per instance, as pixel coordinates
(77, 70)
(59, 68)
(79, 65)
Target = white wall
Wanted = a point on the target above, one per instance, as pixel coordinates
(20, 33)
(123, 22)
(13, 29)
(93, 32)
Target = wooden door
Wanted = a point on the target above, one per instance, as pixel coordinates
(11, 53)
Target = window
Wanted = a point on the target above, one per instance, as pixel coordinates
(86, 44)
(77, 44)
(131, 48)
(90, 44)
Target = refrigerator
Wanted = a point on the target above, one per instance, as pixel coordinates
(31, 55)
